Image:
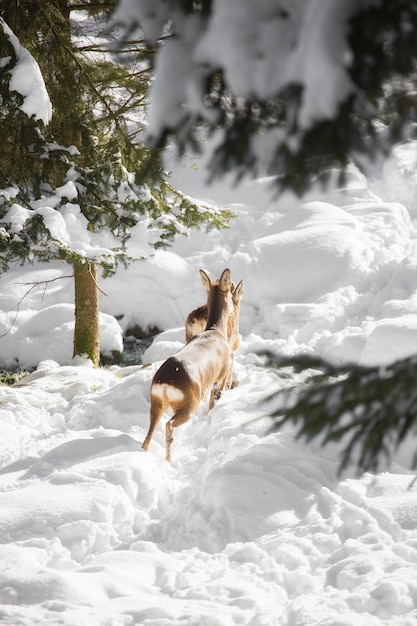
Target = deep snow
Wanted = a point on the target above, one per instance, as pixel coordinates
(249, 527)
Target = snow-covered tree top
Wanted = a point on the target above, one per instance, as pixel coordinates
(27, 80)
(290, 87)
(261, 48)
(83, 196)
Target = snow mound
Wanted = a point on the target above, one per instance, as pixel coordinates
(389, 340)
(307, 263)
(249, 527)
(50, 332)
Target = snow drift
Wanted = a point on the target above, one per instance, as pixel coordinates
(249, 527)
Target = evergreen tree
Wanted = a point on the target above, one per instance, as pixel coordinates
(87, 166)
(291, 89)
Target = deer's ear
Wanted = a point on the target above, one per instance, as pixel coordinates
(238, 292)
(225, 280)
(206, 280)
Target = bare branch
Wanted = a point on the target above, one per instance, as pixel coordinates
(17, 311)
(34, 285)
(95, 282)
(45, 282)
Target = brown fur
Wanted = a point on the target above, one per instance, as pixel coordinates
(196, 322)
(201, 366)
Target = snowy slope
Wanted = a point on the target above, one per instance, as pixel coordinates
(249, 527)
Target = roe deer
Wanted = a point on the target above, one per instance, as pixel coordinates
(233, 328)
(200, 366)
(196, 322)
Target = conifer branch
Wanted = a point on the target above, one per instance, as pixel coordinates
(368, 410)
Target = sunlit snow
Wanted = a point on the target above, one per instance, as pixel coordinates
(248, 527)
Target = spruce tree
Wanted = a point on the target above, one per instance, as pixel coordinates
(92, 146)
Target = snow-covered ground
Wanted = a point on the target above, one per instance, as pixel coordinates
(249, 527)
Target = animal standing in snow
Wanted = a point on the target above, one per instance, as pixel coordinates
(196, 322)
(201, 366)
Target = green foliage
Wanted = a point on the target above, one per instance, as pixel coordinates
(368, 410)
(93, 141)
(11, 378)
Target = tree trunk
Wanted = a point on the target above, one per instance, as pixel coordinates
(87, 329)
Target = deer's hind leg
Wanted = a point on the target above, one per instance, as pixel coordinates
(218, 388)
(157, 410)
(181, 416)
